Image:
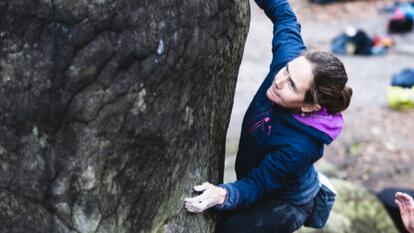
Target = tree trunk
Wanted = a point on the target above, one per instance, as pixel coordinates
(112, 110)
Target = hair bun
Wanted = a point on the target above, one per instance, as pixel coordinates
(346, 97)
(347, 92)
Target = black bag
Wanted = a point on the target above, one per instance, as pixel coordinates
(400, 25)
(323, 203)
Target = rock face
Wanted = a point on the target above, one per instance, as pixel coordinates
(355, 211)
(112, 110)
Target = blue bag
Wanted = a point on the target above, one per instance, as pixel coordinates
(324, 202)
(404, 79)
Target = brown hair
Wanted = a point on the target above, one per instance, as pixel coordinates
(328, 86)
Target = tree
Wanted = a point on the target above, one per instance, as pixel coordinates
(112, 110)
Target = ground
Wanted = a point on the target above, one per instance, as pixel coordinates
(376, 148)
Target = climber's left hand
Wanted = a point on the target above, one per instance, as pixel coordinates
(212, 195)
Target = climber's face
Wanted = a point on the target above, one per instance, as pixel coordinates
(290, 85)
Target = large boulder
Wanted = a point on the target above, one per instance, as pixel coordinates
(110, 111)
(355, 211)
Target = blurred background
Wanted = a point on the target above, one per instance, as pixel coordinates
(376, 147)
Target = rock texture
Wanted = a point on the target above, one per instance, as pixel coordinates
(110, 111)
(355, 211)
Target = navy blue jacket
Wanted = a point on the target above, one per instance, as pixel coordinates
(276, 152)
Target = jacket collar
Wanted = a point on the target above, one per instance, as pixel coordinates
(317, 134)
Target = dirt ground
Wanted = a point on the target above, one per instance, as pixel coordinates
(376, 148)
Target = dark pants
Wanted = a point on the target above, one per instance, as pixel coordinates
(266, 216)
